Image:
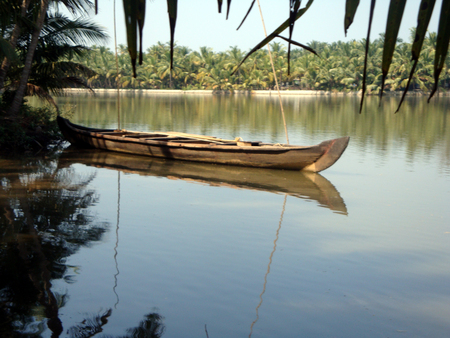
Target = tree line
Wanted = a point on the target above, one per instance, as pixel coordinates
(338, 66)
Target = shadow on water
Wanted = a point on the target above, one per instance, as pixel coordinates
(45, 217)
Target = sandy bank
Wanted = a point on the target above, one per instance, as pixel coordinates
(206, 92)
(150, 92)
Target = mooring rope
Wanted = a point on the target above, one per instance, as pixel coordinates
(117, 69)
(274, 75)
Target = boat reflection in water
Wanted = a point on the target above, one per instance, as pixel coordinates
(305, 185)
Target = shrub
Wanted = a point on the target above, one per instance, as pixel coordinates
(32, 129)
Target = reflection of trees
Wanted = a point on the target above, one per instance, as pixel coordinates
(90, 326)
(150, 327)
(44, 218)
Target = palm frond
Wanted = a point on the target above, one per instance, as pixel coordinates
(60, 29)
(33, 90)
(275, 33)
(423, 19)
(82, 7)
(442, 42)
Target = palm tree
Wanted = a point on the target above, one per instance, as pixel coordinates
(339, 67)
(60, 39)
(36, 12)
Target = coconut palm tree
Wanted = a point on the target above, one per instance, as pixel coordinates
(51, 70)
(36, 11)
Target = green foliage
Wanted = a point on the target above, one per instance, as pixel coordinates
(339, 67)
(32, 129)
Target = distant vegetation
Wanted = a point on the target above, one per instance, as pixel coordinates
(339, 67)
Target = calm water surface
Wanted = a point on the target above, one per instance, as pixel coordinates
(124, 246)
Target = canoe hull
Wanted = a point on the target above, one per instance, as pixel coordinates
(313, 158)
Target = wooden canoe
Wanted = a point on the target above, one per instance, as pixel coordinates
(200, 148)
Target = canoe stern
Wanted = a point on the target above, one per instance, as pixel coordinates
(333, 150)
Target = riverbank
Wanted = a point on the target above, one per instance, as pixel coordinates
(237, 92)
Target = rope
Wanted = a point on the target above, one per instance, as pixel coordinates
(117, 68)
(274, 75)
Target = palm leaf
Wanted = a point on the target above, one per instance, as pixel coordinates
(140, 22)
(246, 15)
(172, 8)
(33, 90)
(350, 11)
(395, 15)
(275, 33)
(294, 5)
(366, 55)
(309, 49)
(59, 28)
(130, 8)
(54, 52)
(219, 5)
(423, 19)
(75, 6)
(442, 41)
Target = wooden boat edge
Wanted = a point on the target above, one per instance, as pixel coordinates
(331, 150)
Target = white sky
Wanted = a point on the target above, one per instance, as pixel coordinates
(199, 23)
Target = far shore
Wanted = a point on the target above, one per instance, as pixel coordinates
(237, 92)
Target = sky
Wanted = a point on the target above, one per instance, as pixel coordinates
(199, 23)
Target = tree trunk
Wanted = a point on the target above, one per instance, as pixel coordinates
(13, 41)
(20, 93)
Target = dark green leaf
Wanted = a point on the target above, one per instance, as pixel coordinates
(294, 5)
(395, 15)
(442, 41)
(275, 33)
(130, 10)
(248, 12)
(140, 22)
(172, 6)
(309, 49)
(350, 11)
(363, 91)
(423, 19)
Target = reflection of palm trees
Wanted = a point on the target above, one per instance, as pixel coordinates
(44, 220)
(90, 326)
(150, 327)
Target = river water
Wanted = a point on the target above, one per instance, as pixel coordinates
(124, 246)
